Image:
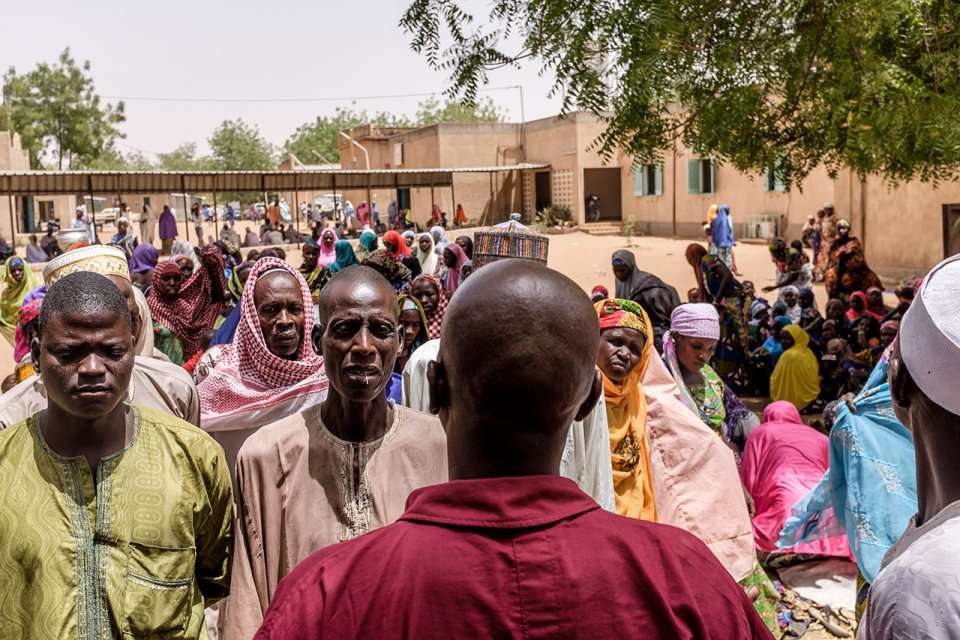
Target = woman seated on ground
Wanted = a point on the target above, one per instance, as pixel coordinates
(858, 306)
(428, 290)
(796, 378)
(783, 461)
(810, 319)
(687, 349)
(836, 310)
(760, 324)
(764, 358)
(791, 298)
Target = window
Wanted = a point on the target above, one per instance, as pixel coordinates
(701, 175)
(774, 179)
(648, 179)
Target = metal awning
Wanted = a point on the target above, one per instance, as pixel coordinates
(25, 183)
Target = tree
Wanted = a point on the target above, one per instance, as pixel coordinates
(237, 146)
(111, 159)
(184, 158)
(430, 111)
(58, 114)
(845, 83)
(318, 141)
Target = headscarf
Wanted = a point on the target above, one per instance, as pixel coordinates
(627, 416)
(368, 240)
(193, 310)
(428, 259)
(696, 320)
(28, 313)
(469, 248)
(410, 235)
(389, 267)
(721, 228)
(234, 284)
(435, 320)
(453, 274)
(796, 377)
(624, 290)
(796, 310)
(405, 302)
(852, 314)
(599, 290)
(394, 238)
(879, 311)
(144, 258)
(439, 238)
(248, 380)
(327, 256)
(692, 320)
(184, 248)
(14, 292)
(345, 256)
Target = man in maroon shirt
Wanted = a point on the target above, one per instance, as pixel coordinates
(508, 548)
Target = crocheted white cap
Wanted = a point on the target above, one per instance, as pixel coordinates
(930, 335)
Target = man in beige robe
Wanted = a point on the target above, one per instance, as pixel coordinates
(337, 470)
(155, 383)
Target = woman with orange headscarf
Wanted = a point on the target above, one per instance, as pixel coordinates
(625, 348)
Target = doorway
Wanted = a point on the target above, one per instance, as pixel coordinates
(601, 190)
(542, 196)
(951, 230)
(403, 199)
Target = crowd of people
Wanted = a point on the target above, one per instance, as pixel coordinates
(385, 442)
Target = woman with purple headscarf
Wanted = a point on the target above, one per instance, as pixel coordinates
(168, 229)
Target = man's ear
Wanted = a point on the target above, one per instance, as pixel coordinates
(35, 353)
(900, 381)
(596, 394)
(439, 386)
(315, 337)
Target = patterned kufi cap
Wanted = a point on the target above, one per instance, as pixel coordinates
(102, 259)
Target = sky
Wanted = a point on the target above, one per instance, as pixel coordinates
(243, 50)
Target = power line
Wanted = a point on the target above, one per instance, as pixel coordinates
(281, 100)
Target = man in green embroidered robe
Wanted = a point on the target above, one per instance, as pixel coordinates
(114, 520)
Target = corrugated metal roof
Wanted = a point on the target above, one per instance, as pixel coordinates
(83, 182)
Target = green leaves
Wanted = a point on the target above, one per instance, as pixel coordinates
(866, 84)
(58, 115)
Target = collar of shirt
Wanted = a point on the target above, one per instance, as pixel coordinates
(499, 503)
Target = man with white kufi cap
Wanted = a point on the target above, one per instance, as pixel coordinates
(155, 383)
(917, 593)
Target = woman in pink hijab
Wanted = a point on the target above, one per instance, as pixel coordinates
(328, 241)
(783, 461)
(454, 258)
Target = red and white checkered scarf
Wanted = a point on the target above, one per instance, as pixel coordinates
(193, 310)
(247, 386)
(435, 320)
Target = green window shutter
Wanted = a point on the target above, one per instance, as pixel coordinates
(658, 179)
(769, 182)
(693, 176)
(637, 180)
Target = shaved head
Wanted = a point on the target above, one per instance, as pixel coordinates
(517, 359)
(345, 280)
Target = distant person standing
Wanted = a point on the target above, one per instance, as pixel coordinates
(148, 224)
(231, 215)
(84, 223)
(721, 231)
(168, 230)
